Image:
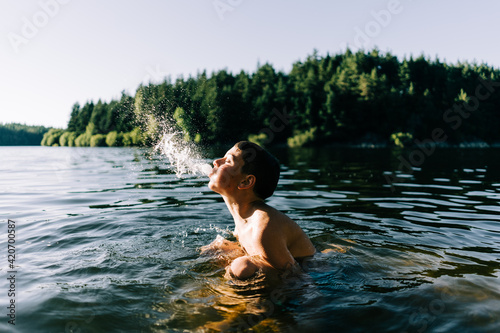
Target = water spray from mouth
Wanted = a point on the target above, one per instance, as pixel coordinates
(182, 157)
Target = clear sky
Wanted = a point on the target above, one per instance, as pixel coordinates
(54, 53)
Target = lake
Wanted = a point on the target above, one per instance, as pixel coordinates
(107, 240)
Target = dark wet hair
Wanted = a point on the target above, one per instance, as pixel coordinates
(264, 166)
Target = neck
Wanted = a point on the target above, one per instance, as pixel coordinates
(243, 208)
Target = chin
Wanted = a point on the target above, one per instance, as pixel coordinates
(211, 186)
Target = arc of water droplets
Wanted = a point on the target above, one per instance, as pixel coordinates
(181, 156)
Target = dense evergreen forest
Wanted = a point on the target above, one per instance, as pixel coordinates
(21, 135)
(363, 97)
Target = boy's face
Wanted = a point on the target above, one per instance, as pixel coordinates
(226, 174)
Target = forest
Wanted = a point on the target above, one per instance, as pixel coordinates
(14, 134)
(366, 98)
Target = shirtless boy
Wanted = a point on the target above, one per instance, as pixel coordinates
(269, 240)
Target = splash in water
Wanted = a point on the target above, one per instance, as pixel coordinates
(182, 157)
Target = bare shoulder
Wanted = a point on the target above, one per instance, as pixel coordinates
(280, 228)
(276, 225)
(269, 218)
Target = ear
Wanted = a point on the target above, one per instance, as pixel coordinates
(247, 182)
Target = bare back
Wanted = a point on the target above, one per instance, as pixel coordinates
(273, 236)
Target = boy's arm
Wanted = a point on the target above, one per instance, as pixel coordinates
(273, 255)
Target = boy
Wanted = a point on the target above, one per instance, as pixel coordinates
(270, 240)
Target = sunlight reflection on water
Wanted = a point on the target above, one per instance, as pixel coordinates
(110, 241)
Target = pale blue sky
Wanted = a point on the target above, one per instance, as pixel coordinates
(82, 50)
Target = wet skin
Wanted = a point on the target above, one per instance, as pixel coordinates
(267, 239)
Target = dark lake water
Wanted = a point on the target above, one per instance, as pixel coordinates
(107, 240)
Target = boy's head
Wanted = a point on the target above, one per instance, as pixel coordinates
(264, 166)
(246, 165)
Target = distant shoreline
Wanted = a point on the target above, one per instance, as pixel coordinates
(364, 145)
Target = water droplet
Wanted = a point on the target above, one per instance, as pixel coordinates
(182, 155)
(206, 169)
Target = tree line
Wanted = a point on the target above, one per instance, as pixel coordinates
(14, 134)
(363, 97)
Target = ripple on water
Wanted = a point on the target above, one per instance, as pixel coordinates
(110, 241)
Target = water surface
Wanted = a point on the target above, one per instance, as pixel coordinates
(108, 241)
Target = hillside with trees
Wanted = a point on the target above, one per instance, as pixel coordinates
(363, 97)
(14, 134)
